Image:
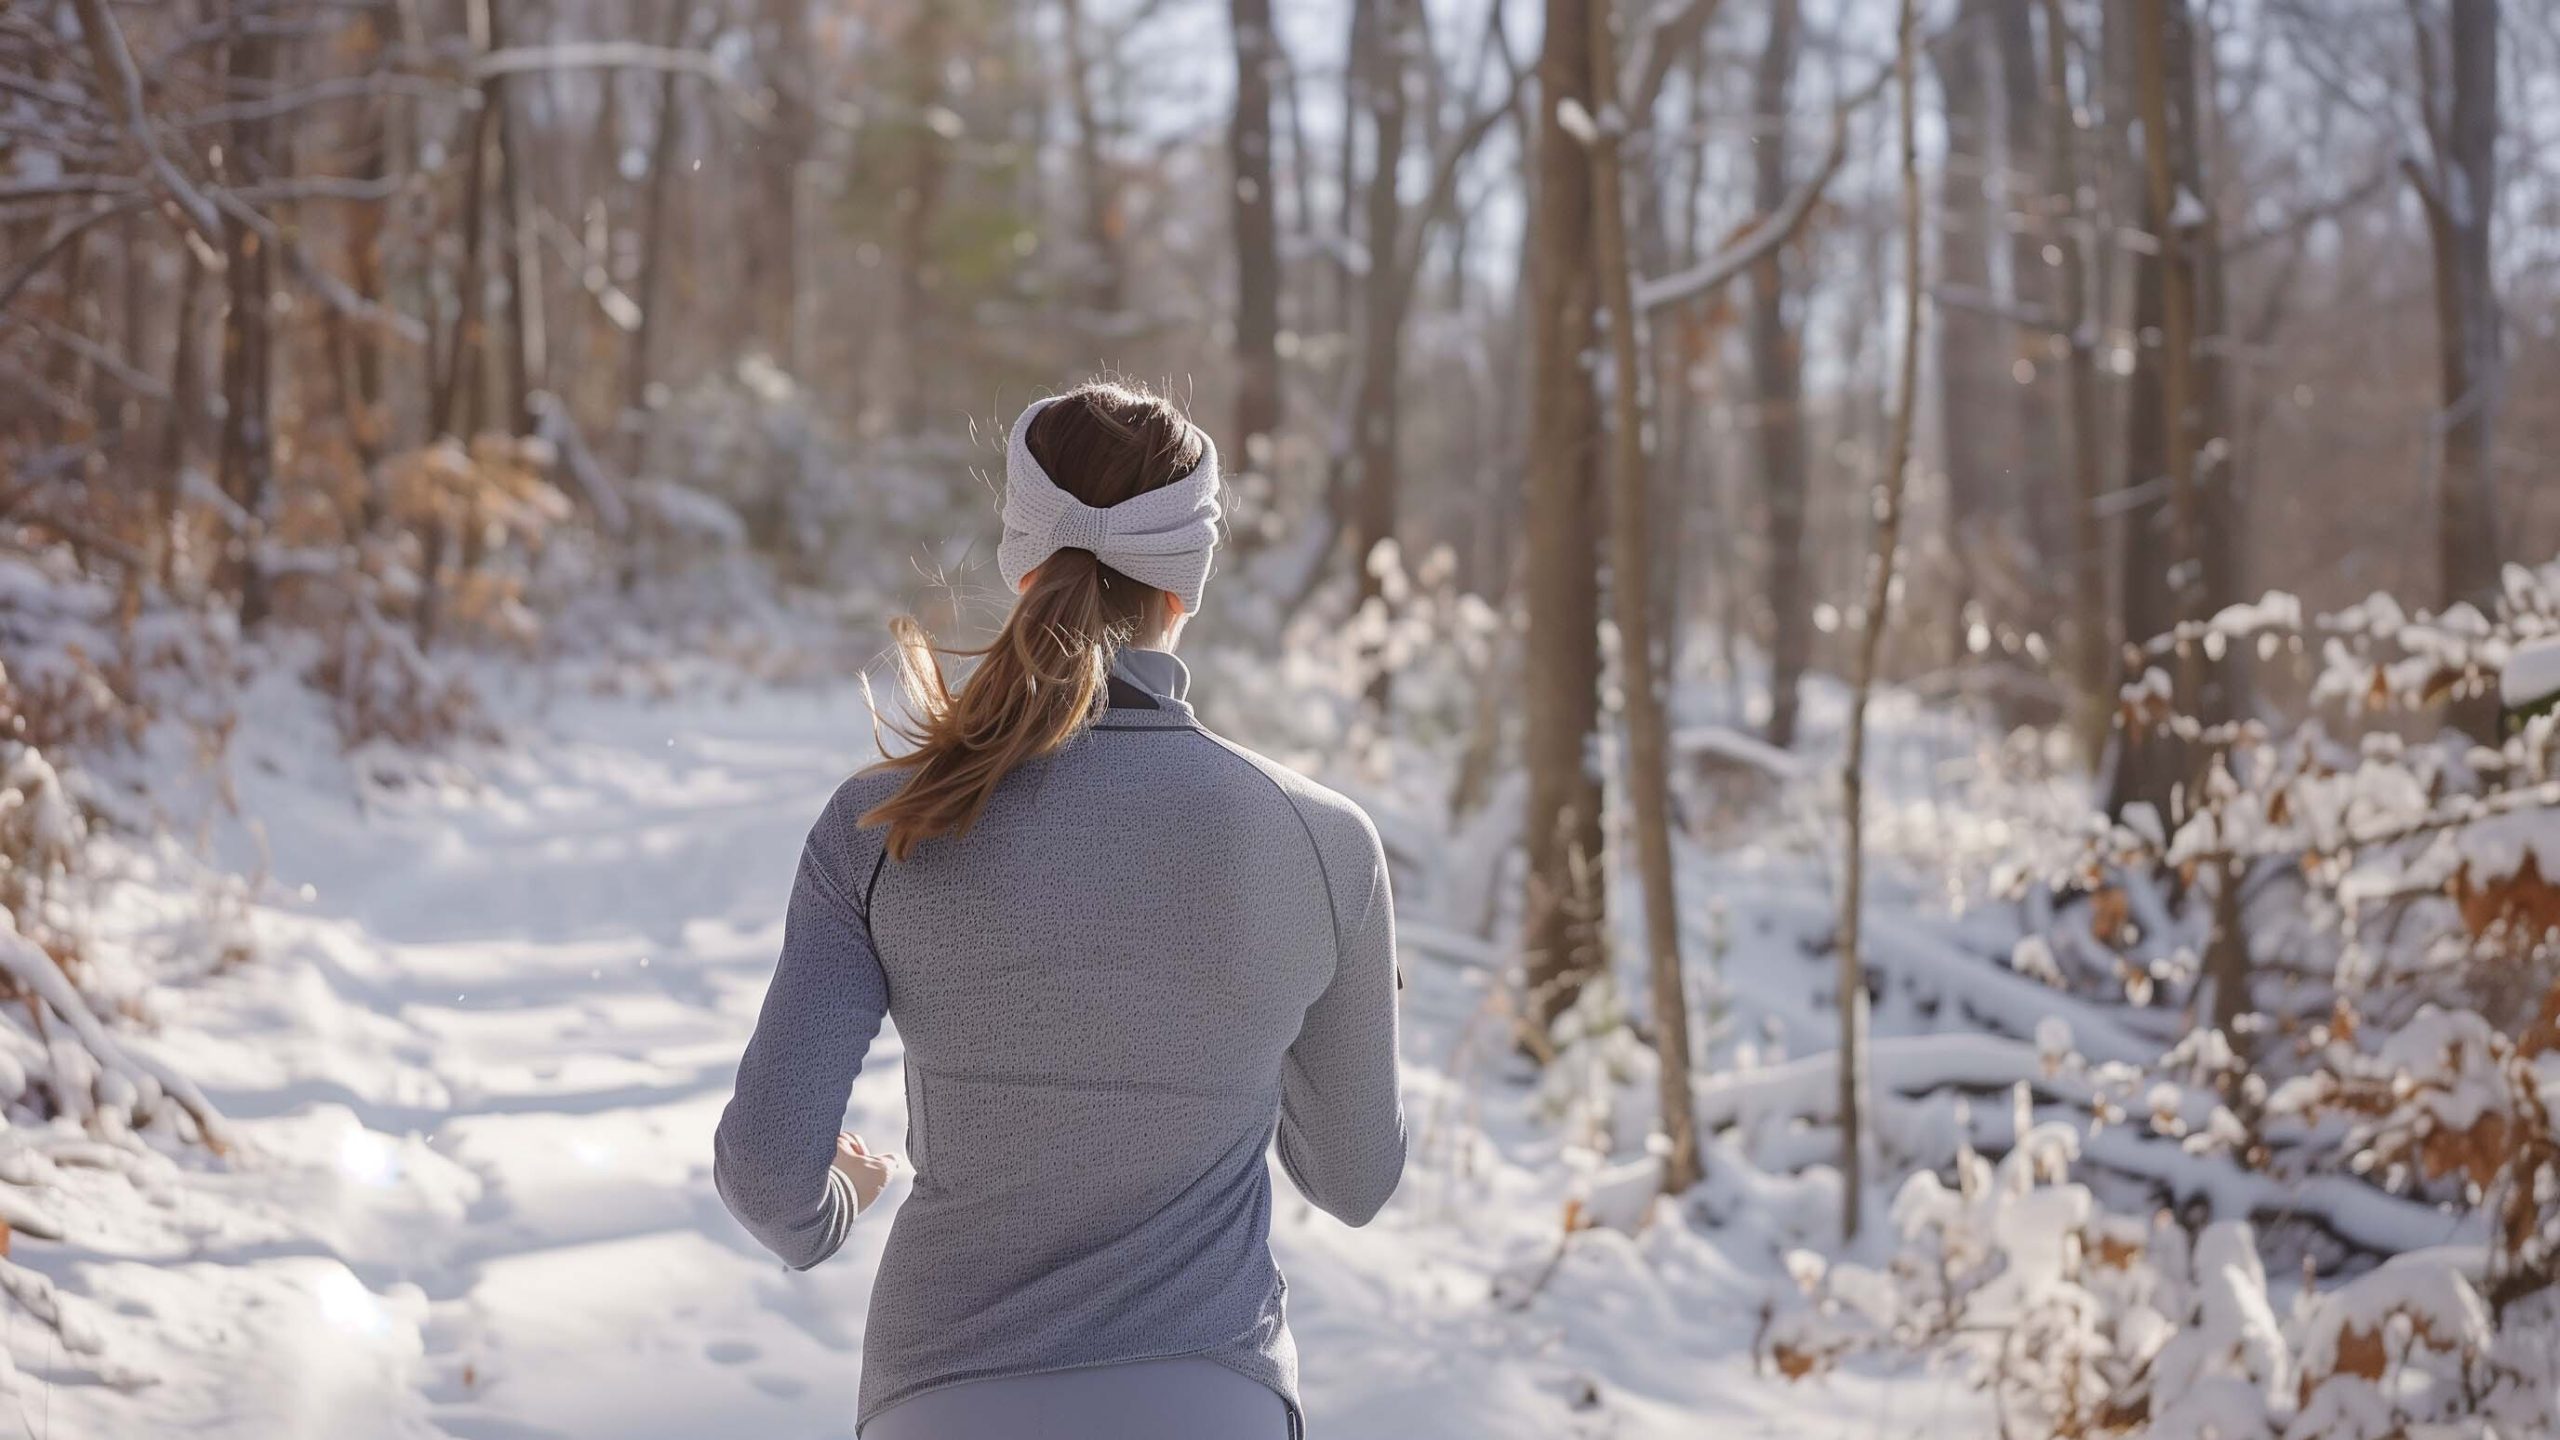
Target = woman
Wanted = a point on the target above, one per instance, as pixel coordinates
(1121, 951)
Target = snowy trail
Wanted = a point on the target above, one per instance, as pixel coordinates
(477, 1063)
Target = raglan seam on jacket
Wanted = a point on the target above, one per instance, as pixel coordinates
(827, 884)
(1324, 872)
(871, 888)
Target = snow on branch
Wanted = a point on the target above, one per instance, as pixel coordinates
(124, 1075)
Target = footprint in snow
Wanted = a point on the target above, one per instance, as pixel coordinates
(780, 1387)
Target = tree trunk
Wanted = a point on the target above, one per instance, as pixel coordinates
(1689, 493)
(2162, 585)
(911, 377)
(771, 244)
(2176, 412)
(458, 382)
(2033, 285)
(1970, 341)
(1777, 361)
(1360, 53)
(2221, 515)
(1561, 929)
(2092, 646)
(247, 450)
(180, 441)
(1854, 1089)
(1648, 763)
(134, 308)
(453, 383)
(368, 420)
(1254, 213)
(2461, 204)
(1377, 424)
(527, 352)
(1105, 281)
(1666, 239)
(668, 128)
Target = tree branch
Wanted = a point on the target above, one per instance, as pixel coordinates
(122, 86)
(1985, 302)
(322, 281)
(1410, 249)
(1656, 51)
(1771, 231)
(70, 231)
(592, 55)
(2308, 216)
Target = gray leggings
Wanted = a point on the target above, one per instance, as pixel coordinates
(1186, 1399)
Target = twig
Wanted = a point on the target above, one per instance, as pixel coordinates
(70, 231)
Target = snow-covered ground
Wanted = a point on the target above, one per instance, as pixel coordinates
(472, 1067)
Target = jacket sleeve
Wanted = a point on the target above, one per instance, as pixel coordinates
(773, 1156)
(1342, 1137)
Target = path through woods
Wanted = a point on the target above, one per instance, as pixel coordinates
(477, 1063)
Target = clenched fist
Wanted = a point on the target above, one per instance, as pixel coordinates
(868, 1171)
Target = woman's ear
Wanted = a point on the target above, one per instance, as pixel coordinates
(1173, 604)
(1023, 586)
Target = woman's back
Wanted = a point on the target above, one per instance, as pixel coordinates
(1150, 947)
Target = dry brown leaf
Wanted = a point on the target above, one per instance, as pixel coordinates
(2109, 911)
(1793, 1363)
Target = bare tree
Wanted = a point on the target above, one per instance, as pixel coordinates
(1971, 369)
(1397, 236)
(1105, 274)
(771, 253)
(453, 384)
(2162, 578)
(905, 373)
(1777, 370)
(2026, 135)
(1560, 929)
(2092, 645)
(1878, 612)
(527, 353)
(1253, 212)
(1648, 763)
(2175, 418)
(1377, 419)
(248, 456)
(666, 132)
(2457, 186)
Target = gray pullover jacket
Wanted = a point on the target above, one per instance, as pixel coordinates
(1155, 950)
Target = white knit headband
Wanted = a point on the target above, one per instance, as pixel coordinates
(1162, 538)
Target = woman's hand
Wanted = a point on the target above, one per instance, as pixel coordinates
(868, 1171)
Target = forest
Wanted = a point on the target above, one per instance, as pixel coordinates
(1949, 611)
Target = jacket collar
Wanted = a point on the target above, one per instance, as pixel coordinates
(1150, 680)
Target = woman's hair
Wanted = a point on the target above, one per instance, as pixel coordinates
(1036, 683)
